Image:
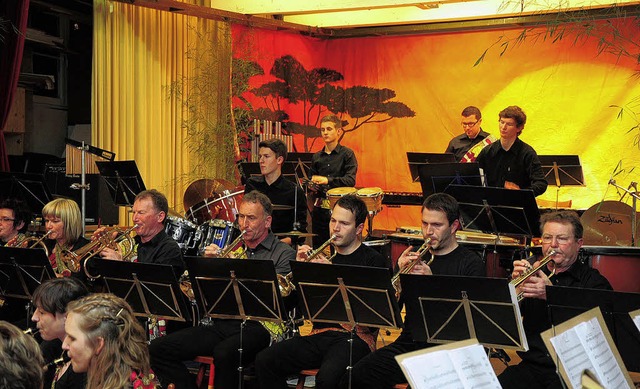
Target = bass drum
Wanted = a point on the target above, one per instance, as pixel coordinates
(608, 223)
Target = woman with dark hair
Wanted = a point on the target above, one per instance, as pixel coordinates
(63, 222)
(105, 340)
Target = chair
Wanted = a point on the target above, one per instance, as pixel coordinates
(204, 361)
(313, 372)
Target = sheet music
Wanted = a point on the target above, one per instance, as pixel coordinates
(584, 347)
(465, 367)
(636, 321)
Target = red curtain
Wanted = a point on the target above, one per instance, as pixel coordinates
(11, 47)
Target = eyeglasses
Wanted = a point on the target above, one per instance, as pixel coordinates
(470, 124)
(6, 220)
(562, 239)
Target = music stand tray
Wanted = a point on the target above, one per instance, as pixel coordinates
(236, 288)
(151, 289)
(417, 159)
(360, 295)
(445, 309)
(29, 187)
(562, 170)
(22, 271)
(437, 177)
(123, 180)
(565, 303)
(497, 210)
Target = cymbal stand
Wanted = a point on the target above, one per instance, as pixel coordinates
(634, 200)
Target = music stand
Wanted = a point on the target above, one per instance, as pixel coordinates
(29, 187)
(300, 157)
(250, 169)
(437, 177)
(443, 309)
(236, 289)
(151, 289)
(415, 160)
(497, 210)
(565, 303)
(562, 170)
(342, 294)
(123, 180)
(22, 271)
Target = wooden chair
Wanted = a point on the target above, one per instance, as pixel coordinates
(313, 372)
(204, 362)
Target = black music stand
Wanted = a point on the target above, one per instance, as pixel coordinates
(29, 187)
(22, 271)
(443, 309)
(300, 157)
(151, 289)
(416, 160)
(497, 210)
(437, 177)
(354, 295)
(123, 180)
(250, 169)
(565, 303)
(562, 170)
(236, 289)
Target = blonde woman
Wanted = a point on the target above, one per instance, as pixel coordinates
(63, 222)
(105, 340)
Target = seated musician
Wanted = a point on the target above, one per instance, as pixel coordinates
(473, 133)
(63, 221)
(152, 244)
(327, 346)
(23, 369)
(440, 220)
(511, 163)
(281, 191)
(561, 232)
(221, 337)
(50, 300)
(14, 221)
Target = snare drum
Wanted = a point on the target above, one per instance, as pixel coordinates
(182, 231)
(372, 197)
(335, 193)
(219, 232)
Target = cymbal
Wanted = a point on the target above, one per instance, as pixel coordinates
(204, 189)
(295, 233)
(607, 223)
(279, 207)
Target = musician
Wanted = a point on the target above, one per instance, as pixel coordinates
(20, 359)
(105, 340)
(333, 166)
(327, 346)
(63, 222)
(50, 300)
(511, 163)
(440, 220)
(562, 232)
(221, 337)
(152, 244)
(14, 221)
(473, 133)
(281, 191)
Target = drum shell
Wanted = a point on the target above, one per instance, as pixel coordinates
(182, 231)
(219, 232)
(372, 197)
(334, 194)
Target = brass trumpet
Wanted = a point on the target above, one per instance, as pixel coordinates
(227, 251)
(285, 283)
(516, 282)
(421, 251)
(32, 242)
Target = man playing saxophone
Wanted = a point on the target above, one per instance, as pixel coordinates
(561, 233)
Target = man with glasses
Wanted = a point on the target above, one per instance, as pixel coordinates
(562, 233)
(14, 221)
(511, 163)
(473, 133)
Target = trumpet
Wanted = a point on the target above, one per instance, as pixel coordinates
(421, 251)
(32, 242)
(285, 283)
(227, 251)
(31, 331)
(516, 282)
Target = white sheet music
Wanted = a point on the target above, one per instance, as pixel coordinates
(585, 347)
(636, 321)
(465, 367)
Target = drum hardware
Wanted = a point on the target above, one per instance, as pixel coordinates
(285, 283)
(182, 231)
(421, 251)
(518, 281)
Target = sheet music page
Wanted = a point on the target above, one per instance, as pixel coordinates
(572, 355)
(636, 321)
(474, 368)
(433, 370)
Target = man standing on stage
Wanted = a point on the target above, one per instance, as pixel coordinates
(333, 166)
(440, 220)
(327, 346)
(281, 191)
(473, 133)
(511, 163)
(562, 233)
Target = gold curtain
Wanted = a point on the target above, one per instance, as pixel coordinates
(161, 94)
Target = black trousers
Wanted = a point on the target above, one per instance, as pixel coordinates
(320, 225)
(529, 375)
(327, 351)
(220, 340)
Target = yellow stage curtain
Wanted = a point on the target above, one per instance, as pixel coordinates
(149, 70)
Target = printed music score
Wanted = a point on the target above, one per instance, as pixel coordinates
(456, 365)
(635, 316)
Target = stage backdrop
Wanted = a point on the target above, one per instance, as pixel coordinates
(406, 93)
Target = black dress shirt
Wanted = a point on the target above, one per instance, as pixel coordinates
(160, 249)
(462, 143)
(520, 165)
(339, 166)
(282, 192)
(271, 248)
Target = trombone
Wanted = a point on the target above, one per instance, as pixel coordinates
(518, 281)
(421, 251)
